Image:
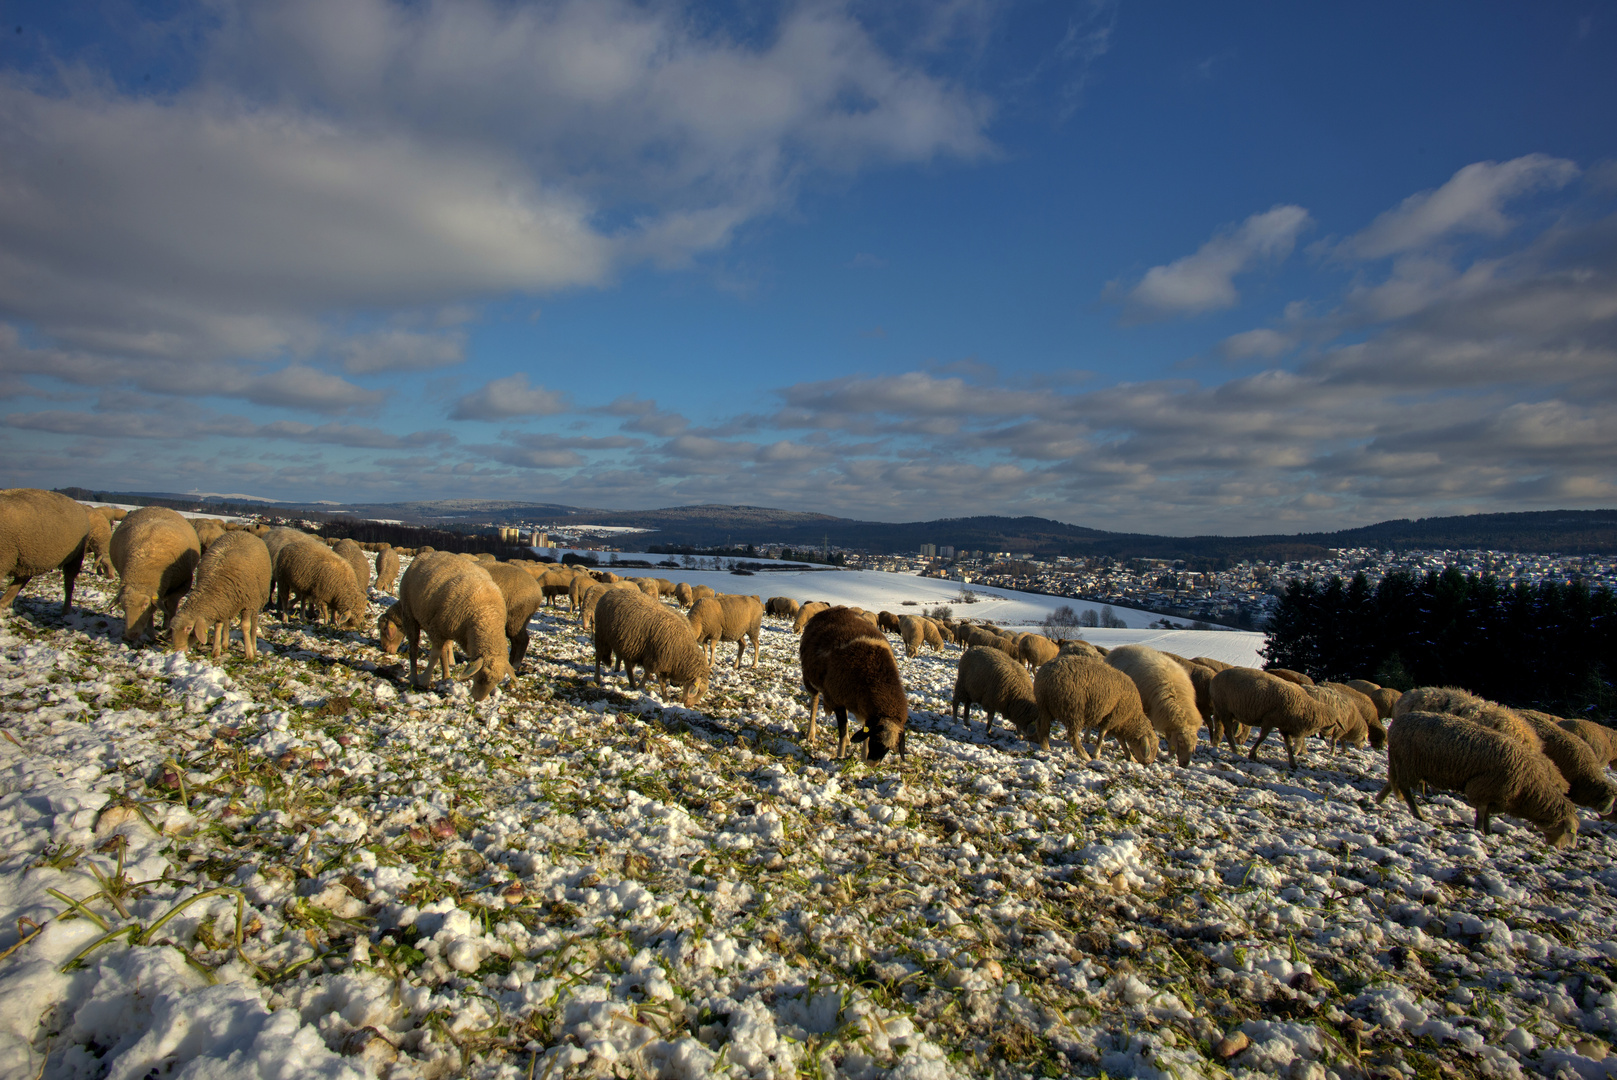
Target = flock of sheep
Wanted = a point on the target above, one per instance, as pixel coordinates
(205, 574)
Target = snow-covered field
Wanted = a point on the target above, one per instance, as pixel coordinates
(302, 867)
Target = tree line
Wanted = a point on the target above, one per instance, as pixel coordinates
(1549, 646)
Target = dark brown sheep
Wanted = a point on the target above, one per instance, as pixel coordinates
(848, 663)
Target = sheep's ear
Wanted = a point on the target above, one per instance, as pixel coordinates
(467, 670)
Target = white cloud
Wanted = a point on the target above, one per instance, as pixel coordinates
(1472, 201)
(401, 350)
(1262, 342)
(1205, 281)
(504, 398)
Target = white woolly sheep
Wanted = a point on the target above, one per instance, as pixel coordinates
(310, 572)
(782, 606)
(97, 542)
(1209, 662)
(807, 612)
(1078, 647)
(155, 552)
(848, 665)
(1201, 680)
(1601, 739)
(1496, 773)
(683, 595)
(1166, 694)
(354, 556)
(40, 531)
(1246, 697)
(232, 582)
(1036, 649)
(592, 598)
(1368, 711)
(1463, 703)
(1347, 726)
(1088, 694)
(387, 569)
(728, 618)
(207, 529)
(912, 631)
(989, 678)
(457, 603)
(1295, 677)
(635, 630)
(1577, 762)
(276, 539)
(523, 596)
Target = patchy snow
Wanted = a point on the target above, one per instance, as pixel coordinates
(302, 866)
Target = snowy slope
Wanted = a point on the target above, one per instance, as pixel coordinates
(572, 880)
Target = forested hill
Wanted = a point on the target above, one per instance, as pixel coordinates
(1569, 532)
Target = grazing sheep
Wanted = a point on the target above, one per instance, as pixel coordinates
(1363, 686)
(97, 543)
(1374, 731)
(592, 598)
(523, 596)
(232, 582)
(560, 581)
(1246, 697)
(1458, 702)
(848, 664)
(457, 603)
(208, 530)
(1496, 773)
(699, 591)
(682, 594)
(276, 539)
(1166, 694)
(113, 514)
(1079, 647)
(807, 612)
(1036, 649)
(989, 678)
(354, 556)
(578, 589)
(783, 606)
(155, 552)
(1201, 680)
(41, 531)
(664, 587)
(1347, 725)
(1088, 694)
(648, 586)
(887, 622)
(1290, 676)
(1209, 662)
(1577, 762)
(728, 618)
(635, 629)
(1601, 739)
(912, 631)
(311, 572)
(387, 569)
(934, 635)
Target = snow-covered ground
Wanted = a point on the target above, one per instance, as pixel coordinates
(301, 866)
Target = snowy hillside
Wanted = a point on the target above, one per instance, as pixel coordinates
(302, 866)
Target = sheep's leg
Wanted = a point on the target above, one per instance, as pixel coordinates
(842, 731)
(70, 574)
(1291, 751)
(249, 632)
(1264, 734)
(413, 635)
(988, 724)
(519, 648)
(221, 634)
(755, 652)
(741, 648)
(1482, 820)
(17, 583)
(954, 710)
(814, 706)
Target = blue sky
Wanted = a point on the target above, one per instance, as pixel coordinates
(1185, 268)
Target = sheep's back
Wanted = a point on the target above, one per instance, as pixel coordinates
(39, 530)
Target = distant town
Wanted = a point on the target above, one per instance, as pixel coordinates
(1241, 595)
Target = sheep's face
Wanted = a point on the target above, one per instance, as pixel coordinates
(1564, 833)
(694, 691)
(1143, 750)
(487, 677)
(883, 735)
(139, 611)
(390, 632)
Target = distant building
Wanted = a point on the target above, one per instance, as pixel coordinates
(540, 539)
(510, 534)
(929, 551)
(945, 552)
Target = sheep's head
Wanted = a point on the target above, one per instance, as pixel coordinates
(694, 690)
(139, 611)
(1378, 735)
(390, 629)
(1563, 833)
(485, 676)
(181, 628)
(882, 735)
(1144, 749)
